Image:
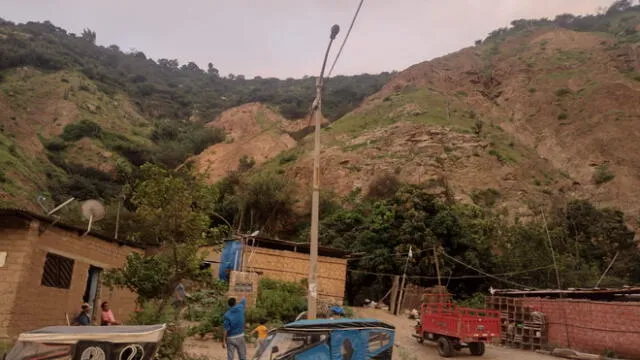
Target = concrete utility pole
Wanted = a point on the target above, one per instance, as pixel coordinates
(312, 295)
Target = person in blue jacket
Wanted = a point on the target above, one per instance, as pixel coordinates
(233, 339)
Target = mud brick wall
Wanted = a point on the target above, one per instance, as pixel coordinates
(294, 267)
(33, 305)
(12, 235)
(592, 326)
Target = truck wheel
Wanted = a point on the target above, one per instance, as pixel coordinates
(476, 348)
(444, 347)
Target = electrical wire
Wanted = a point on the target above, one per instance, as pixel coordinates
(452, 277)
(355, 16)
(488, 275)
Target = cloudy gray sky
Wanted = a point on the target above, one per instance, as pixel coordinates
(286, 38)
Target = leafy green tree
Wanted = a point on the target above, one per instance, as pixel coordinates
(171, 209)
(212, 70)
(260, 201)
(89, 35)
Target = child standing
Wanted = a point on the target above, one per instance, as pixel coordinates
(262, 333)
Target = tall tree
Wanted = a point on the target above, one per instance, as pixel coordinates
(172, 213)
(89, 35)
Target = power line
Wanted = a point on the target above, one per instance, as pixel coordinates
(345, 38)
(459, 277)
(486, 274)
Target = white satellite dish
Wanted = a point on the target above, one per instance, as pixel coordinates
(92, 210)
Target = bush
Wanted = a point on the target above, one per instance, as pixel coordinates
(287, 158)
(563, 116)
(563, 91)
(55, 144)
(603, 175)
(177, 140)
(476, 301)
(246, 163)
(200, 303)
(477, 126)
(171, 345)
(383, 186)
(78, 130)
(212, 320)
(281, 300)
(486, 197)
(498, 155)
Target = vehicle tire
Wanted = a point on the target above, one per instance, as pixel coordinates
(445, 349)
(421, 339)
(476, 348)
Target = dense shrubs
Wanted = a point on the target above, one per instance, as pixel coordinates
(83, 128)
(177, 140)
(383, 186)
(278, 302)
(166, 89)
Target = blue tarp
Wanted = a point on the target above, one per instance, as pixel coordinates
(337, 310)
(230, 258)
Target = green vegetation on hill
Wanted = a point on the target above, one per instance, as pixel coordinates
(584, 239)
(132, 108)
(173, 208)
(164, 89)
(620, 19)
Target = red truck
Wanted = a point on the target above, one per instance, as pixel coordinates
(454, 328)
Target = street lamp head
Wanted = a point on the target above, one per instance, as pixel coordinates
(335, 29)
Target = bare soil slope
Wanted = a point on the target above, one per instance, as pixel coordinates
(253, 130)
(543, 116)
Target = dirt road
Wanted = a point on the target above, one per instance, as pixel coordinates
(407, 348)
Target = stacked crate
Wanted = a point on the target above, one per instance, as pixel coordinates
(521, 326)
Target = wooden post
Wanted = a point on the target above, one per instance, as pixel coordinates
(435, 257)
(394, 294)
(401, 297)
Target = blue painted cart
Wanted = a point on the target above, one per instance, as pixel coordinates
(341, 339)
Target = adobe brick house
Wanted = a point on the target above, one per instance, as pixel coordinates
(289, 261)
(48, 269)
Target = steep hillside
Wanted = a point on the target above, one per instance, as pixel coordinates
(255, 134)
(39, 113)
(572, 97)
(76, 119)
(535, 114)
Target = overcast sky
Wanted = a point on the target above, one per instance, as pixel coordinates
(287, 38)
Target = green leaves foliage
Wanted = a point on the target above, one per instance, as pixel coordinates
(584, 239)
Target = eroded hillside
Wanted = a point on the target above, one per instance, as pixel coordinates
(524, 120)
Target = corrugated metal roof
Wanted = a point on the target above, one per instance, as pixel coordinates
(277, 244)
(29, 215)
(570, 292)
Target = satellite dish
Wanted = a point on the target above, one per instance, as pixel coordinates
(92, 210)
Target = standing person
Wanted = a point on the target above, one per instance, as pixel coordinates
(107, 317)
(262, 333)
(84, 317)
(233, 339)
